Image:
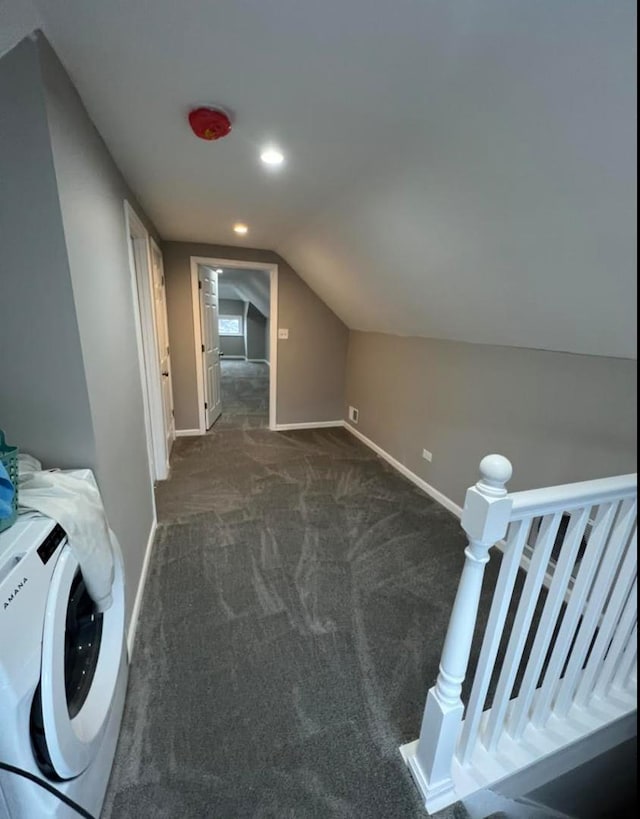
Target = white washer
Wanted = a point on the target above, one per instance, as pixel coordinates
(63, 674)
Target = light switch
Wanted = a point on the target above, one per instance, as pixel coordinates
(283, 333)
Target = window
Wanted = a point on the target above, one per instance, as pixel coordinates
(230, 326)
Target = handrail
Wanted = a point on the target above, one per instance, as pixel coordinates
(582, 632)
(567, 496)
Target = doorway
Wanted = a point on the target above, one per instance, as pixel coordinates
(235, 329)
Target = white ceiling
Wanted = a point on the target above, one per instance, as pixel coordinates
(247, 285)
(461, 169)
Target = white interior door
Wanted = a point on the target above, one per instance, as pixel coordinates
(208, 290)
(142, 280)
(162, 336)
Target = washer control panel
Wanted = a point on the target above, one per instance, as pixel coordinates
(49, 545)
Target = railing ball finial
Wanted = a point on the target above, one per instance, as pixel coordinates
(495, 473)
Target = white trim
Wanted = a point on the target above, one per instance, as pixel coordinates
(244, 328)
(197, 338)
(140, 348)
(310, 425)
(258, 361)
(434, 493)
(273, 348)
(273, 327)
(443, 500)
(169, 423)
(137, 605)
(559, 498)
(225, 357)
(185, 433)
(526, 764)
(140, 269)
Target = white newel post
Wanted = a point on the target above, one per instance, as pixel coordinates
(485, 519)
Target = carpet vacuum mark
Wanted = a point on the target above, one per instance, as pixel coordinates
(296, 605)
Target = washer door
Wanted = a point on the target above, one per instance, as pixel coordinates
(81, 656)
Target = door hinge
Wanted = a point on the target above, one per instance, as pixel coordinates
(206, 406)
(167, 349)
(199, 285)
(202, 347)
(173, 413)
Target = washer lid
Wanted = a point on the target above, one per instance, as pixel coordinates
(81, 655)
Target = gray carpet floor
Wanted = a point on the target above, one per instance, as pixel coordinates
(245, 395)
(295, 610)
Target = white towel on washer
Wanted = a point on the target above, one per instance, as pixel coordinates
(72, 499)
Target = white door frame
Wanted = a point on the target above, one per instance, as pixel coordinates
(170, 425)
(140, 265)
(272, 269)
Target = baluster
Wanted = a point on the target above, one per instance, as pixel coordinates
(493, 635)
(621, 640)
(626, 669)
(573, 611)
(546, 627)
(607, 627)
(485, 519)
(591, 616)
(521, 626)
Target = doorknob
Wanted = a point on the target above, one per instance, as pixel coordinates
(166, 375)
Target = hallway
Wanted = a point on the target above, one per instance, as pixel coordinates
(294, 614)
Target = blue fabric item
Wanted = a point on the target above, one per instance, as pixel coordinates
(7, 492)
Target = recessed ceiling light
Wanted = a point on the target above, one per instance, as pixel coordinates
(241, 229)
(272, 156)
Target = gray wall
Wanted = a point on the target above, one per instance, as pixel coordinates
(232, 345)
(92, 193)
(311, 364)
(257, 334)
(44, 403)
(558, 417)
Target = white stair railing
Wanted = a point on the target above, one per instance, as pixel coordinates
(559, 654)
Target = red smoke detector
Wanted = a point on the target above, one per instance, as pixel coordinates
(209, 123)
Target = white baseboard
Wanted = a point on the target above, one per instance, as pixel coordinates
(185, 433)
(135, 614)
(443, 500)
(258, 361)
(224, 357)
(309, 425)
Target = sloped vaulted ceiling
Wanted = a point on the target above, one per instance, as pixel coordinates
(247, 285)
(461, 169)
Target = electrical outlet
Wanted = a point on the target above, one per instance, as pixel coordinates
(353, 414)
(283, 334)
(428, 456)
